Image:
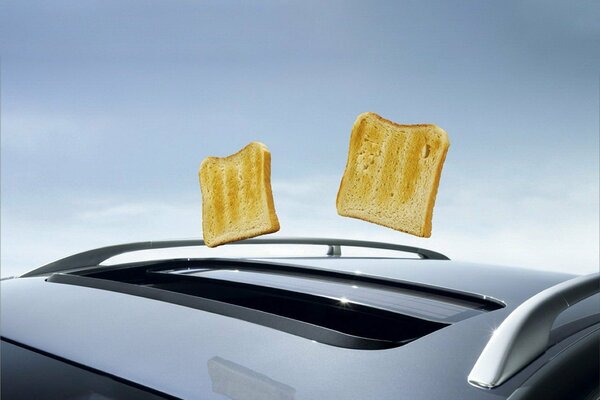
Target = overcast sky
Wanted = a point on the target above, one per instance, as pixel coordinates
(108, 108)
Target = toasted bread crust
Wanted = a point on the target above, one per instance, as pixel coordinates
(237, 200)
(392, 173)
(269, 193)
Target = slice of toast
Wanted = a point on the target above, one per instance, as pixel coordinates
(237, 202)
(392, 174)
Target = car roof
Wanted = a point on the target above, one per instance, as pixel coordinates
(183, 351)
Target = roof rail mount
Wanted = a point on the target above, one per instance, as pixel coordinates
(524, 334)
(95, 257)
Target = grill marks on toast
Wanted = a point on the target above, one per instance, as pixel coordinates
(254, 196)
(214, 212)
(392, 173)
(413, 167)
(232, 197)
(378, 153)
(237, 201)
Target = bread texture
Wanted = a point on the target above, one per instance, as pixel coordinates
(237, 201)
(392, 174)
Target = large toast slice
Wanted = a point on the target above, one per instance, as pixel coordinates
(392, 174)
(237, 202)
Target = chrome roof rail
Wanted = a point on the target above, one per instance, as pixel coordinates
(96, 256)
(524, 334)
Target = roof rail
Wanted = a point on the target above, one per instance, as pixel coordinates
(524, 334)
(95, 257)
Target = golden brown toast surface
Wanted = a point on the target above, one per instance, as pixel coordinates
(392, 174)
(237, 201)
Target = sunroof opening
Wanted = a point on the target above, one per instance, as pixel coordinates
(349, 292)
(330, 307)
(337, 314)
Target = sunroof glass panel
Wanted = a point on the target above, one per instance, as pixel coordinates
(350, 292)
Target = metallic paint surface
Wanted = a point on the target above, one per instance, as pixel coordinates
(168, 347)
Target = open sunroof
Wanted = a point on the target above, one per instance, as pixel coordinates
(351, 292)
(331, 307)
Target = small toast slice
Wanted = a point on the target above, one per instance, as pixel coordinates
(237, 202)
(392, 174)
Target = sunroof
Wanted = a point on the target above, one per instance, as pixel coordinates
(350, 291)
(336, 308)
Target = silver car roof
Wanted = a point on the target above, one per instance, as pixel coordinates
(191, 353)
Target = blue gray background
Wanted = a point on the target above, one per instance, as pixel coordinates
(108, 108)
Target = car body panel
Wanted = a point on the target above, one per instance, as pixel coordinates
(508, 284)
(189, 353)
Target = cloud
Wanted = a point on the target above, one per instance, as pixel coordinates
(124, 212)
(36, 131)
(552, 225)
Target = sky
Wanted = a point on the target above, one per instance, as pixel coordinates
(108, 107)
